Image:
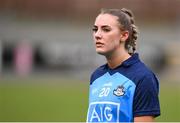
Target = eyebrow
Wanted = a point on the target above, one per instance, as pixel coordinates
(104, 26)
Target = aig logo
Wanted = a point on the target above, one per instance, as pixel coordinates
(103, 112)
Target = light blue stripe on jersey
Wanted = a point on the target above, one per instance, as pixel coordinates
(104, 106)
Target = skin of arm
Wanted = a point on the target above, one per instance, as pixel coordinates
(144, 119)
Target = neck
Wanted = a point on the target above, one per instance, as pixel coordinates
(117, 59)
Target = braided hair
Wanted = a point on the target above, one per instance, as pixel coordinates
(127, 23)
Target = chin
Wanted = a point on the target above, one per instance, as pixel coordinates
(101, 52)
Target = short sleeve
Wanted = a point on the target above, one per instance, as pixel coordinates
(146, 101)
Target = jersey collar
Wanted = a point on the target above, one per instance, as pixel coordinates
(132, 60)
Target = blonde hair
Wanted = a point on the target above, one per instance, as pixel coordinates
(127, 23)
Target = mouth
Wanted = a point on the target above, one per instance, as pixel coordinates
(99, 44)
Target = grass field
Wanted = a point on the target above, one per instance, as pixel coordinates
(64, 100)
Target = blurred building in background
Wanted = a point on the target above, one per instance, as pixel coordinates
(54, 37)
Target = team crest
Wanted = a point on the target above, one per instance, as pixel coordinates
(119, 91)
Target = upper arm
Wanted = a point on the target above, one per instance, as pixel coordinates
(144, 119)
(146, 101)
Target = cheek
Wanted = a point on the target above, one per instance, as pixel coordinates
(114, 39)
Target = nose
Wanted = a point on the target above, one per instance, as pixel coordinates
(97, 35)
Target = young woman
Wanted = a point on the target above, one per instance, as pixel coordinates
(124, 89)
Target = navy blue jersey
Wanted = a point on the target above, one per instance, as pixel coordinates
(120, 94)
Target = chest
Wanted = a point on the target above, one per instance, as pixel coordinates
(114, 88)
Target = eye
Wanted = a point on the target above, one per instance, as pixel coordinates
(94, 29)
(106, 29)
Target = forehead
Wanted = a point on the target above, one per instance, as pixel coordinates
(106, 19)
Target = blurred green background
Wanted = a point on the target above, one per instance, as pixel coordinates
(64, 100)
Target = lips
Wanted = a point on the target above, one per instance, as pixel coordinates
(99, 44)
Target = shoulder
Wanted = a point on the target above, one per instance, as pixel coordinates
(98, 72)
(144, 71)
(139, 72)
(145, 76)
(134, 69)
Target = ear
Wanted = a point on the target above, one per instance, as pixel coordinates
(124, 36)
